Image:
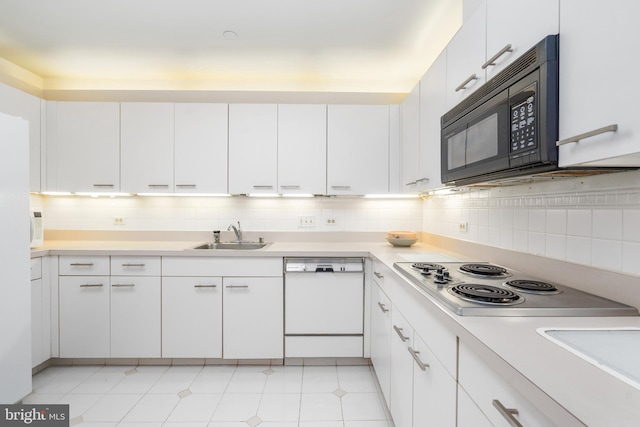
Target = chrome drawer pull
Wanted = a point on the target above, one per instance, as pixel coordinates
(158, 185)
(493, 59)
(341, 187)
(81, 264)
(236, 286)
(133, 265)
(104, 185)
(123, 285)
(263, 187)
(205, 286)
(422, 180)
(507, 413)
(185, 186)
(420, 363)
(92, 285)
(466, 82)
(290, 187)
(577, 138)
(383, 307)
(378, 275)
(400, 334)
(411, 183)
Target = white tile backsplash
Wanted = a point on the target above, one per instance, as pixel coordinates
(591, 220)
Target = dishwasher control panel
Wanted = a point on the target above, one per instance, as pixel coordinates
(323, 265)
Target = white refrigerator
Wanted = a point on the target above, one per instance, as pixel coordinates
(15, 293)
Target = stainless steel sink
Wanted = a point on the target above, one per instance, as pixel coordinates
(232, 245)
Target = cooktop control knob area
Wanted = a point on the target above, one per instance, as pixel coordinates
(441, 279)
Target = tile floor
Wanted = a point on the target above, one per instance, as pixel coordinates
(214, 396)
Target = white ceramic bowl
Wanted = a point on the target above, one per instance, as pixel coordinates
(401, 242)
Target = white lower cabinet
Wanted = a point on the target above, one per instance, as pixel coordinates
(381, 338)
(401, 400)
(253, 318)
(40, 312)
(135, 316)
(469, 415)
(192, 317)
(84, 316)
(502, 404)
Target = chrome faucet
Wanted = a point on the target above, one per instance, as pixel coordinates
(237, 231)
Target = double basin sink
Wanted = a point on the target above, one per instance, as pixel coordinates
(231, 245)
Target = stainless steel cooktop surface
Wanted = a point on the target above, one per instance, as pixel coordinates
(485, 289)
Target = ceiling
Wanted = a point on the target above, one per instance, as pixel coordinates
(365, 46)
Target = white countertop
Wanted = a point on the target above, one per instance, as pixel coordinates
(590, 394)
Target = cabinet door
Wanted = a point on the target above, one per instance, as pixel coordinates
(469, 415)
(192, 317)
(302, 149)
(434, 389)
(135, 316)
(357, 149)
(201, 148)
(146, 136)
(381, 339)
(599, 92)
(433, 94)
(520, 25)
(84, 146)
(253, 148)
(401, 405)
(253, 318)
(410, 137)
(36, 323)
(465, 56)
(84, 316)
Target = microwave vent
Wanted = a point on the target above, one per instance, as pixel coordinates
(502, 79)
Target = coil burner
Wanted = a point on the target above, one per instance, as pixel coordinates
(532, 287)
(485, 294)
(484, 270)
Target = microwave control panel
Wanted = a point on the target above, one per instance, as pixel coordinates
(523, 126)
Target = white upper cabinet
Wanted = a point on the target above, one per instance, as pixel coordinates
(302, 149)
(433, 94)
(83, 140)
(598, 88)
(515, 26)
(410, 136)
(357, 149)
(147, 143)
(253, 148)
(466, 53)
(201, 148)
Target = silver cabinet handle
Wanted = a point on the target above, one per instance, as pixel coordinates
(158, 185)
(507, 413)
(341, 187)
(422, 180)
(236, 286)
(81, 264)
(383, 307)
(263, 187)
(290, 187)
(411, 183)
(420, 363)
(122, 285)
(185, 186)
(493, 59)
(466, 82)
(104, 185)
(577, 138)
(378, 275)
(400, 334)
(92, 285)
(133, 265)
(205, 286)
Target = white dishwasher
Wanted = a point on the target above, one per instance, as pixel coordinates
(323, 307)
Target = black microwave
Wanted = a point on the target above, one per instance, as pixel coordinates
(509, 126)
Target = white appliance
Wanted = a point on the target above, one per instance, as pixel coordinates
(37, 230)
(324, 307)
(15, 305)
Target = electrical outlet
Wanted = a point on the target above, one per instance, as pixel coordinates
(330, 221)
(306, 222)
(119, 220)
(463, 227)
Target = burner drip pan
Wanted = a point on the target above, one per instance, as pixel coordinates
(485, 270)
(533, 287)
(485, 294)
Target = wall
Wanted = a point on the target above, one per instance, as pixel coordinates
(209, 213)
(592, 221)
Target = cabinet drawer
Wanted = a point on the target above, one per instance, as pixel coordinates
(36, 268)
(135, 266)
(308, 346)
(84, 265)
(221, 266)
(383, 276)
